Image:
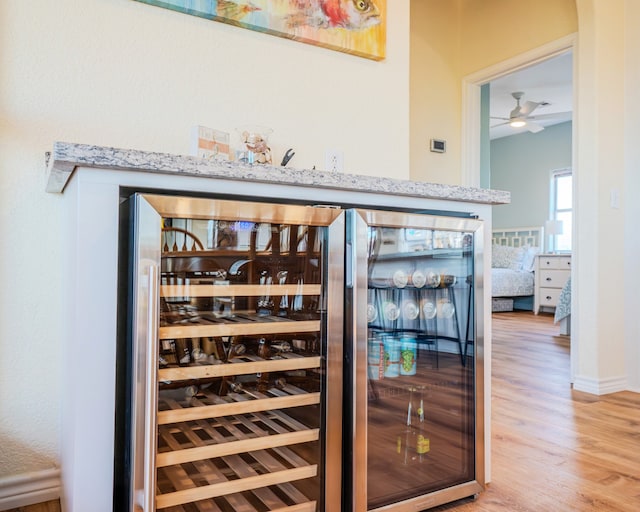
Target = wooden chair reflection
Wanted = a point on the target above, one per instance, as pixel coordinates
(178, 269)
(189, 241)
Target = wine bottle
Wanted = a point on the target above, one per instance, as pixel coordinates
(264, 352)
(406, 442)
(266, 349)
(219, 351)
(198, 355)
(167, 354)
(229, 384)
(264, 383)
(236, 387)
(280, 347)
(263, 349)
(183, 351)
(283, 307)
(236, 349)
(422, 443)
(265, 302)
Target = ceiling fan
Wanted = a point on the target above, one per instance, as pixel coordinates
(521, 116)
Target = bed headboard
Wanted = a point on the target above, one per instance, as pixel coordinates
(518, 237)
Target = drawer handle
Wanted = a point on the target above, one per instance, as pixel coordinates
(548, 297)
(548, 279)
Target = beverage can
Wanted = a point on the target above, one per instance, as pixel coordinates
(408, 355)
(423, 444)
(446, 309)
(391, 311)
(429, 309)
(372, 313)
(400, 279)
(375, 358)
(410, 310)
(418, 278)
(432, 279)
(391, 356)
(375, 371)
(374, 353)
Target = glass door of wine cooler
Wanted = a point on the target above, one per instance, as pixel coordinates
(236, 356)
(416, 418)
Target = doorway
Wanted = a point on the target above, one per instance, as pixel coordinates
(471, 121)
(472, 138)
(530, 140)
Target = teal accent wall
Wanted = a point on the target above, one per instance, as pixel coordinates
(521, 164)
(485, 141)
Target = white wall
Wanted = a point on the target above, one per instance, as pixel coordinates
(607, 358)
(605, 326)
(122, 73)
(632, 186)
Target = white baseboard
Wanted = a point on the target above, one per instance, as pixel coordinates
(29, 488)
(600, 386)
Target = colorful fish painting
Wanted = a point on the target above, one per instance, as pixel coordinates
(353, 26)
(349, 14)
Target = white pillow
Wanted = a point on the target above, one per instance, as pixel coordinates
(529, 261)
(504, 256)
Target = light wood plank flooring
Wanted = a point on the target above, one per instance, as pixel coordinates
(50, 506)
(554, 449)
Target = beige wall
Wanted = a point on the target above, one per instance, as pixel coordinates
(495, 30)
(452, 39)
(435, 89)
(121, 73)
(125, 74)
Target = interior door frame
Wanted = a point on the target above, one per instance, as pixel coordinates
(471, 142)
(471, 85)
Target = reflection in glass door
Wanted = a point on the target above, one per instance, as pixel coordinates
(420, 377)
(243, 400)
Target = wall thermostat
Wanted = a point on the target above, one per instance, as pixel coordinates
(438, 146)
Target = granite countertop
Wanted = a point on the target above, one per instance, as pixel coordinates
(66, 157)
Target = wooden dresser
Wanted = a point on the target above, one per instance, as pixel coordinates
(551, 273)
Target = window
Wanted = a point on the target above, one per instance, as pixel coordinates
(562, 208)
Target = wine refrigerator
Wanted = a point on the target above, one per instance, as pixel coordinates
(414, 410)
(296, 358)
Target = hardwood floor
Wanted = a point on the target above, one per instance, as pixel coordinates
(554, 449)
(49, 506)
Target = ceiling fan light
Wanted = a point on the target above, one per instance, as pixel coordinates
(518, 122)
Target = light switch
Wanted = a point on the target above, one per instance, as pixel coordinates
(614, 198)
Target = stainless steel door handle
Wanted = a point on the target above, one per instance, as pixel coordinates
(151, 398)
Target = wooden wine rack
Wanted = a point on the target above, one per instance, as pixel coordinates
(238, 329)
(246, 290)
(235, 452)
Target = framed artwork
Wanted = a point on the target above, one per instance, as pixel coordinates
(353, 26)
(210, 144)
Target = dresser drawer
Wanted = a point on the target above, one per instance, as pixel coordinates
(553, 278)
(548, 297)
(552, 272)
(555, 262)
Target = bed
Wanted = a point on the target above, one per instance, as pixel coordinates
(563, 309)
(513, 252)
